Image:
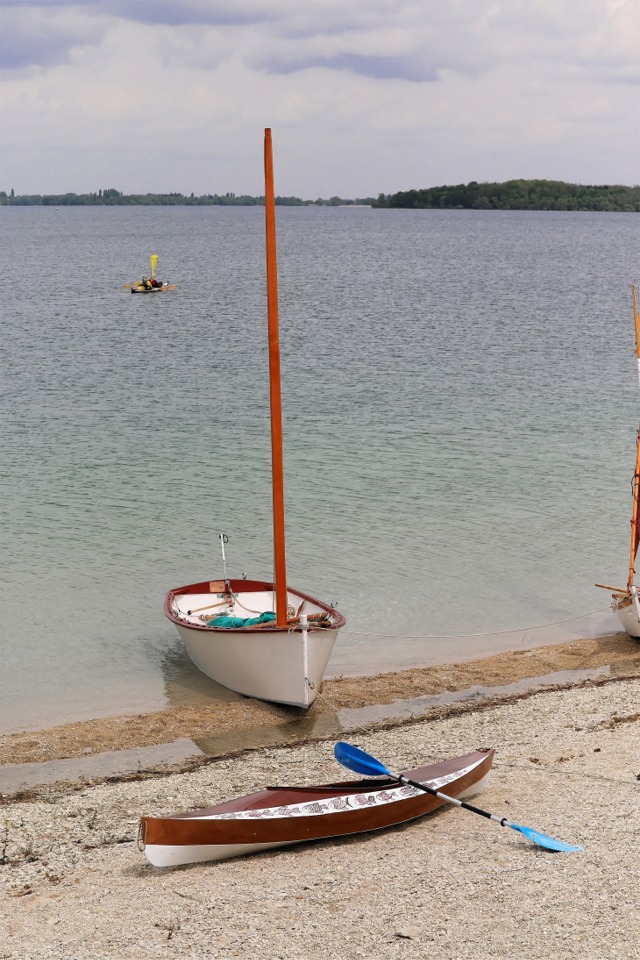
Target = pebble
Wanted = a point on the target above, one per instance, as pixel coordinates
(73, 885)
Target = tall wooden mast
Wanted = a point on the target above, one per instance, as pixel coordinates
(275, 389)
(635, 517)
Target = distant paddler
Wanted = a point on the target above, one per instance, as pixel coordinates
(150, 284)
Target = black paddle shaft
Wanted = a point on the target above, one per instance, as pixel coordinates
(459, 803)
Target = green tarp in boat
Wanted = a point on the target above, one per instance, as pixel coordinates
(222, 620)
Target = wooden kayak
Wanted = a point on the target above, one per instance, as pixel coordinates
(280, 816)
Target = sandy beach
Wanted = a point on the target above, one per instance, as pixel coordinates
(452, 885)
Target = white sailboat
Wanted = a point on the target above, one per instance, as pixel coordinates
(261, 639)
(625, 602)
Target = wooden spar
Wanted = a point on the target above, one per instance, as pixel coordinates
(275, 389)
(635, 518)
(636, 320)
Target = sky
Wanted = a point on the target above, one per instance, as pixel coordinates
(363, 96)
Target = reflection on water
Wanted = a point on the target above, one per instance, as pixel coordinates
(185, 685)
(314, 726)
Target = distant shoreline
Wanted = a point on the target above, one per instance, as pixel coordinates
(549, 195)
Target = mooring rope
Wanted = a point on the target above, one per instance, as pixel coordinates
(569, 772)
(336, 709)
(489, 633)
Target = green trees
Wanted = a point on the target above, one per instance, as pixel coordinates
(510, 195)
(112, 197)
(517, 195)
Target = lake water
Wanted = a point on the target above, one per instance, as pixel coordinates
(460, 405)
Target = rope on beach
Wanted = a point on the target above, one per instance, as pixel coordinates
(489, 633)
(566, 772)
(338, 710)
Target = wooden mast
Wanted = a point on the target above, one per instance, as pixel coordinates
(636, 319)
(635, 517)
(275, 390)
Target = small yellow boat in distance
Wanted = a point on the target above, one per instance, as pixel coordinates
(141, 288)
(150, 284)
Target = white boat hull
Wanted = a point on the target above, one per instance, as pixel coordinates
(282, 665)
(626, 610)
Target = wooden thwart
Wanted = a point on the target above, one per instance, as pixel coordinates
(209, 606)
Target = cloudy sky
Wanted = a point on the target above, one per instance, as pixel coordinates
(363, 96)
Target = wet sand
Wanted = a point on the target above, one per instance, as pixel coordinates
(562, 665)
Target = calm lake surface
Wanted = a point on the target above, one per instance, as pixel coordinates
(460, 405)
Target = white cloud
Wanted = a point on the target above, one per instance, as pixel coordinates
(364, 97)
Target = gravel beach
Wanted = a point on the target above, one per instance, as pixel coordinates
(452, 885)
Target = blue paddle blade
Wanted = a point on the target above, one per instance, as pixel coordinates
(359, 761)
(549, 843)
(363, 763)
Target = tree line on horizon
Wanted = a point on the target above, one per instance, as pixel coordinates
(517, 195)
(508, 195)
(112, 198)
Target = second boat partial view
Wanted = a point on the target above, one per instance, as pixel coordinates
(625, 603)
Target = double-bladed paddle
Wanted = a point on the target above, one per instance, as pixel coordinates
(361, 762)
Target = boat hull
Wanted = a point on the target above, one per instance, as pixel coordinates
(279, 664)
(281, 816)
(137, 288)
(625, 610)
